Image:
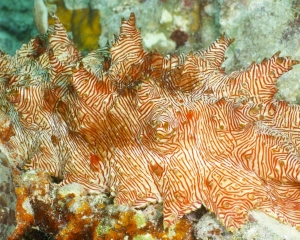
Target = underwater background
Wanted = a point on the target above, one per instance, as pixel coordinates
(260, 29)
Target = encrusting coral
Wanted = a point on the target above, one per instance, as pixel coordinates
(149, 128)
(49, 211)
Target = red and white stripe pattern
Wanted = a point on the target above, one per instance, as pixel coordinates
(148, 128)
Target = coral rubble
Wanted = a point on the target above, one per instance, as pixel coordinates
(48, 211)
(147, 128)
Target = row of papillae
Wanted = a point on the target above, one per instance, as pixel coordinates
(150, 128)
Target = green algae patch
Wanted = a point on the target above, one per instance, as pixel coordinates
(144, 237)
(102, 229)
(140, 219)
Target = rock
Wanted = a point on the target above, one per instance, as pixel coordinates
(260, 227)
(262, 28)
(16, 24)
(7, 198)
